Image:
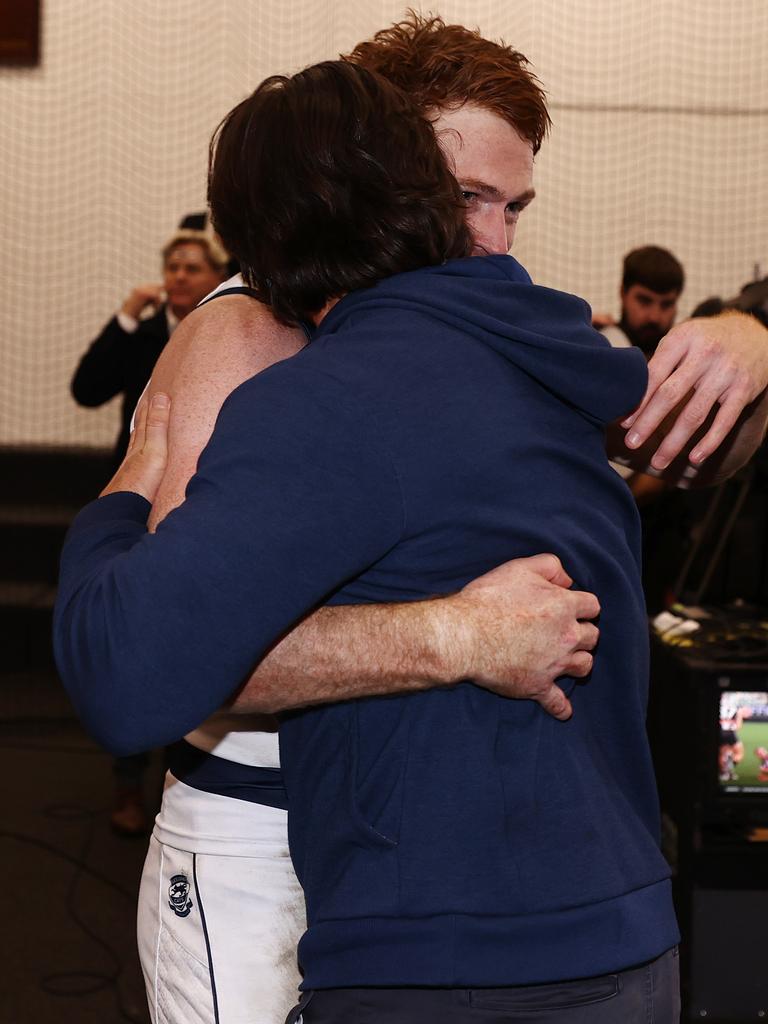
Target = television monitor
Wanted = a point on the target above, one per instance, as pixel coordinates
(742, 753)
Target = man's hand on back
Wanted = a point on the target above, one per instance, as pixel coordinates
(518, 628)
(514, 631)
(717, 361)
(144, 464)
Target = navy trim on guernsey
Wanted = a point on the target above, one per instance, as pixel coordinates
(306, 327)
(201, 911)
(212, 774)
(234, 290)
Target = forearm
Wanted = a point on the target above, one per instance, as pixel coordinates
(357, 651)
(514, 631)
(126, 675)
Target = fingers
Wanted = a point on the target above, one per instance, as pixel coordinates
(723, 423)
(652, 413)
(156, 426)
(732, 397)
(687, 423)
(580, 664)
(550, 567)
(589, 634)
(150, 431)
(662, 365)
(722, 359)
(509, 575)
(586, 605)
(580, 660)
(555, 703)
(144, 465)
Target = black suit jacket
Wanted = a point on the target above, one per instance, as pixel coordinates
(120, 363)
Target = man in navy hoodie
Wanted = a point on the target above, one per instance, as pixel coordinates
(462, 854)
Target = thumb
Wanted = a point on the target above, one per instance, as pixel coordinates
(555, 703)
(156, 429)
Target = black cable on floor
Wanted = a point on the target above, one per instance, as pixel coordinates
(76, 984)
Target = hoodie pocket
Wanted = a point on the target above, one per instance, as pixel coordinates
(518, 741)
(379, 740)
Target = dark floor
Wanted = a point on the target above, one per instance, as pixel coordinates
(70, 884)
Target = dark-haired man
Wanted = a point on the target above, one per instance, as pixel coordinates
(532, 622)
(348, 652)
(651, 285)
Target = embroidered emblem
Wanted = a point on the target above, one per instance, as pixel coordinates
(178, 896)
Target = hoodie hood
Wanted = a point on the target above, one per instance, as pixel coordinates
(545, 333)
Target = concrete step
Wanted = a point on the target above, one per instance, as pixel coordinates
(33, 696)
(35, 475)
(26, 616)
(31, 537)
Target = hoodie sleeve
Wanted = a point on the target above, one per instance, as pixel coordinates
(292, 498)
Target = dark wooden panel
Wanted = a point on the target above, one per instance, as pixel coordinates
(20, 31)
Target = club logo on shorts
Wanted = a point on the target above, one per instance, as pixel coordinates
(178, 895)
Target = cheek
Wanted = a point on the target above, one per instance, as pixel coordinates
(490, 231)
(635, 314)
(474, 218)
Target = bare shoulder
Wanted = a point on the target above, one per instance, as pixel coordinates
(213, 350)
(228, 339)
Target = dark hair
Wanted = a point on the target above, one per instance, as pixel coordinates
(445, 66)
(653, 268)
(329, 181)
(712, 306)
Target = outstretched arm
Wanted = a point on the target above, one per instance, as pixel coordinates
(706, 400)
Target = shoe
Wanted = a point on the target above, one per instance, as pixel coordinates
(128, 817)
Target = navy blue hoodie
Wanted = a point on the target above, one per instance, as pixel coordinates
(439, 424)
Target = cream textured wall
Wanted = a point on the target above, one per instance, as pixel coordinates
(661, 134)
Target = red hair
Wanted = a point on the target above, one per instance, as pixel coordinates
(445, 66)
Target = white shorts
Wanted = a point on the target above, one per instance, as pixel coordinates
(220, 912)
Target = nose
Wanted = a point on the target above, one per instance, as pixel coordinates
(492, 233)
